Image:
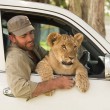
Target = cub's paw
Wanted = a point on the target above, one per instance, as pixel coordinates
(82, 82)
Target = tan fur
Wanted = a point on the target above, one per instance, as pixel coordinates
(62, 59)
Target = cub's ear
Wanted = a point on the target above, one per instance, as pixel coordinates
(53, 38)
(78, 38)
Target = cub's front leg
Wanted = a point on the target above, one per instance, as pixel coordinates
(45, 71)
(81, 78)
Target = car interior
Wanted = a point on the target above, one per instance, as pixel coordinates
(45, 24)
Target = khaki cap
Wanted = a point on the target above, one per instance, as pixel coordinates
(19, 25)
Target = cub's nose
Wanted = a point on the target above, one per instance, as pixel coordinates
(71, 58)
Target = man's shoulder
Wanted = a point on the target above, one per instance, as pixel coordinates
(15, 52)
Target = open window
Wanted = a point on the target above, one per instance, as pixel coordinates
(89, 53)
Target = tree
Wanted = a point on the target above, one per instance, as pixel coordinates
(61, 3)
(96, 16)
(75, 7)
(91, 11)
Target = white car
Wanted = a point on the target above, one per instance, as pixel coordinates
(95, 57)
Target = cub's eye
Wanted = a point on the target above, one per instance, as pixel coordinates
(63, 46)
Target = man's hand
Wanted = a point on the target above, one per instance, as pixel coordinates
(62, 82)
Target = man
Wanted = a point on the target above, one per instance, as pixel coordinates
(22, 57)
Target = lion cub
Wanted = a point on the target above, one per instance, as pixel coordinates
(62, 59)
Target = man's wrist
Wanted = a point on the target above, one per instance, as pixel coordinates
(45, 86)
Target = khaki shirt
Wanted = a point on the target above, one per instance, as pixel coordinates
(19, 67)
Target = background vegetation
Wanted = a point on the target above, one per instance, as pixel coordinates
(91, 11)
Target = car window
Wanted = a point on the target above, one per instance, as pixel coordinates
(88, 53)
(5, 34)
(42, 31)
(45, 30)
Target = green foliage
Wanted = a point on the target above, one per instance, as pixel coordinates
(44, 45)
(107, 7)
(107, 4)
(60, 3)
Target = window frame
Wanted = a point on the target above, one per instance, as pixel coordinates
(67, 21)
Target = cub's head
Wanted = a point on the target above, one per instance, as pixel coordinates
(65, 47)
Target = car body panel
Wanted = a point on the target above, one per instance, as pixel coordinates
(52, 10)
(96, 98)
(98, 95)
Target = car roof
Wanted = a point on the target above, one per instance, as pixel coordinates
(59, 12)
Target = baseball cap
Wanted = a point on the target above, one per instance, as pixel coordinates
(19, 25)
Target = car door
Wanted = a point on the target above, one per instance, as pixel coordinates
(91, 54)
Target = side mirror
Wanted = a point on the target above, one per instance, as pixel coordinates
(107, 67)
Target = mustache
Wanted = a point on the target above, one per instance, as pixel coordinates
(30, 42)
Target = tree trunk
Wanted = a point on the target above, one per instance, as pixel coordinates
(85, 5)
(91, 11)
(96, 16)
(75, 7)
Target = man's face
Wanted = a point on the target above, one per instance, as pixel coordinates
(25, 41)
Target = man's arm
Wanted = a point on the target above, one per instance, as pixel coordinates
(18, 75)
(62, 82)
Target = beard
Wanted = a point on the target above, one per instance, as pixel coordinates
(27, 46)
